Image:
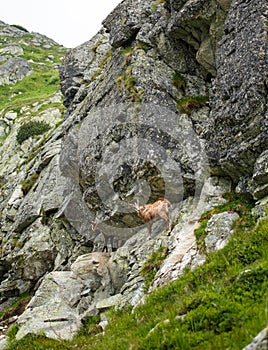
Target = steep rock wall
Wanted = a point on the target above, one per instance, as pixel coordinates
(154, 108)
(239, 93)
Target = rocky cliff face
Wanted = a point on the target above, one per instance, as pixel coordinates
(169, 100)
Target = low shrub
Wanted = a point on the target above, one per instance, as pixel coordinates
(191, 103)
(32, 128)
(28, 184)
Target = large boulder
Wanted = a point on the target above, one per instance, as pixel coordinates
(13, 70)
(63, 296)
(219, 229)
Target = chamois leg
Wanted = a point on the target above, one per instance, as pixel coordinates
(166, 217)
(149, 225)
(105, 246)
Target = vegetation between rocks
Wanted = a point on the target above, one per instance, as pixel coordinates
(235, 203)
(152, 265)
(42, 83)
(32, 128)
(191, 103)
(28, 184)
(179, 81)
(219, 305)
(155, 4)
(17, 307)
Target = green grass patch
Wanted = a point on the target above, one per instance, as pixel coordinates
(179, 81)
(16, 307)
(142, 46)
(200, 235)
(219, 305)
(235, 203)
(41, 84)
(29, 183)
(95, 47)
(191, 103)
(34, 342)
(39, 54)
(127, 82)
(152, 265)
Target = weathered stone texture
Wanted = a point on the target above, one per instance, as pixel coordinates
(125, 137)
(14, 69)
(219, 229)
(238, 132)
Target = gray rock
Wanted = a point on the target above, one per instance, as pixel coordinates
(13, 50)
(260, 342)
(3, 342)
(3, 129)
(16, 196)
(126, 20)
(92, 269)
(261, 208)
(260, 174)
(219, 229)
(256, 183)
(11, 31)
(13, 70)
(51, 310)
(113, 301)
(46, 195)
(238, 122)
(187, 16)
(37, 254)
(56, 309)
(11, 115)
(118, 267)
(75, 63)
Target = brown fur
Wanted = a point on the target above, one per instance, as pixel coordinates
(149, 211)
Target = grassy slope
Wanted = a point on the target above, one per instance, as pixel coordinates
(41, 84)
(220, 305)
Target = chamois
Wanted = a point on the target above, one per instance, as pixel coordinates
(94, 227)
(149, 211)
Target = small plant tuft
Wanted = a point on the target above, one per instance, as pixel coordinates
(142, 46)
(191, 103)
(179, 81)
(200, 235)
(152, 265)
(12, 331)
(32, 128)
(28, 184)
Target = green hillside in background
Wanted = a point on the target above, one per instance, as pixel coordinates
(44, 55)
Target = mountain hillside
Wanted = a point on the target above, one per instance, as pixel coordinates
(168, 100)
(30, 92)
